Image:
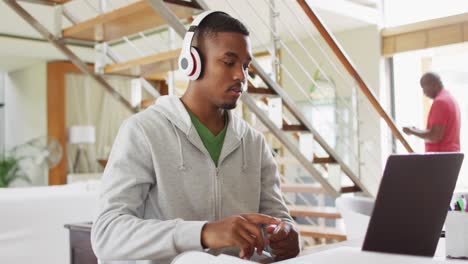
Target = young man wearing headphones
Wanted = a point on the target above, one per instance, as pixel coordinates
(187, 174)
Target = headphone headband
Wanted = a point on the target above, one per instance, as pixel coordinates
(189, 59)
(187, 44)
(196, 22)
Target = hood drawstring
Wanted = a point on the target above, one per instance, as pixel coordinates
(181, 153)
(244, 158)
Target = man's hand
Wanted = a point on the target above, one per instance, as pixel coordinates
(432, 135)
(283, 240)
(408, 130)
(242, 231)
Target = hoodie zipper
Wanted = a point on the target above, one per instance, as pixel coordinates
(216, 194)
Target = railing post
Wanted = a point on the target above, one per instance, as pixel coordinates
(57, 42)
(358, 128)
(100, 59)
(274, 41)
(136, 93)
(58, 14)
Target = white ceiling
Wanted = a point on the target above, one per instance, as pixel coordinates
(338, 15)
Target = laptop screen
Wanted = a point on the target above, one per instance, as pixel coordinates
(412, 203)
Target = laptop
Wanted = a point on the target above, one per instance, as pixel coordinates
(412, 203)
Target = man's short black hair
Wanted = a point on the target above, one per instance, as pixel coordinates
(219, 22)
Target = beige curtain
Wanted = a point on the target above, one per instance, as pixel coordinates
(87, 103)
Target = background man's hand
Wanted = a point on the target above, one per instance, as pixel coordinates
(283, 240)
(242, 231)
(408, 130)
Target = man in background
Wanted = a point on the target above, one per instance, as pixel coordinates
(442, 133)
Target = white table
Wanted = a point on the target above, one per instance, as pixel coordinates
(348, 255)
(350, 252)
(346, 252)
(439, 254)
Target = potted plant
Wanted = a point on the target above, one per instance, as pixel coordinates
(10, 171)
(40, 151)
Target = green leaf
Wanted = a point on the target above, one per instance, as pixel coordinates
(10, 171)
(315, 77)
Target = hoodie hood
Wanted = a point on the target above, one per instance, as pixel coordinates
(172, 108)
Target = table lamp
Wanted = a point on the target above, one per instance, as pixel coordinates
(81, 135)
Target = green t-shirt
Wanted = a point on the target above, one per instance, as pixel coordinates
(213, 143)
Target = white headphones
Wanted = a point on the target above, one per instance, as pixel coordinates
(189, 60)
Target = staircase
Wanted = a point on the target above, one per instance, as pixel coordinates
(334, 167)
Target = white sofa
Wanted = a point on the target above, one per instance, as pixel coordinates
(32, 221)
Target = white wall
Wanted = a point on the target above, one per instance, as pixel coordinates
(409, 107)
(363, 46)
(26, 109)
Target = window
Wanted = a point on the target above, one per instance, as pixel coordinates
(412, 107)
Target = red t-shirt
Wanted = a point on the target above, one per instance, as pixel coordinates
(445, 112)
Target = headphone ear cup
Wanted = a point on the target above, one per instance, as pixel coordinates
(186, 63)
(197, 64)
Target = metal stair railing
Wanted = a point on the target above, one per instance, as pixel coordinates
(295, 112)
(107, 52)
(349, 150)
(179, 28)
(364, 142)
(353, 72)
(56, 41)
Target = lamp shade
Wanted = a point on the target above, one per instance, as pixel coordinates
(81, 135)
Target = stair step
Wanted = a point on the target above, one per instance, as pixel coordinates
(321, 232)
(350, 189)
(48, 2)
(323, 160)
(294, 128)
(128, 20)
(146, 66)
(302, 188)
(253, 90)
(314, 211)
(102, 162)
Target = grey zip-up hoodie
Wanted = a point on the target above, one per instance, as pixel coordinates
(160, 185)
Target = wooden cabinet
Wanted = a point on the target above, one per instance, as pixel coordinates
(80, 244)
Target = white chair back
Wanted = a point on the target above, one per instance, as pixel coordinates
(356, 212)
